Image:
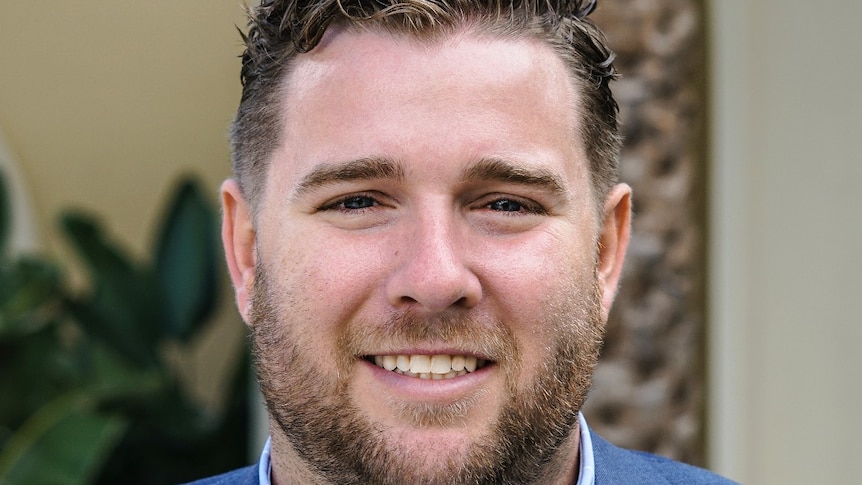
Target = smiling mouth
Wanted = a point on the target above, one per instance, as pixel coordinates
(429, 366)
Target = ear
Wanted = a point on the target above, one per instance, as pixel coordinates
(613, 242)
(238, 237)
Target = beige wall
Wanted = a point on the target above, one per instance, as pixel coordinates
(105, 102)
(787, 233)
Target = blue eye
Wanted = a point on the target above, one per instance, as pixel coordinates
(358, 202)
(506, 205)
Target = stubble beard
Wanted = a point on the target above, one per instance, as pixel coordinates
(341, 445)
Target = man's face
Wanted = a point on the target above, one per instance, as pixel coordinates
(424, 276)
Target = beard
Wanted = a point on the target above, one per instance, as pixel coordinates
(338, 442)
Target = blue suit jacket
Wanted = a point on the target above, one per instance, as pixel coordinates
(614, 466)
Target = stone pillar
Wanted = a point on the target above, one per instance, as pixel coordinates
(649, 388)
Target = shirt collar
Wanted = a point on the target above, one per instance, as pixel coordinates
(587, 470)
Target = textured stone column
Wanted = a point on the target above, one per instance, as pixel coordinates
(649, 388)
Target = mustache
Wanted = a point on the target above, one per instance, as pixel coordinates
(486, 338)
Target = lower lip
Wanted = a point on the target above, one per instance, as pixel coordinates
(414, 388)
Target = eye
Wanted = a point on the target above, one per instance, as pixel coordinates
(351, 203)
(515, 205)
(505, 205)
(358, 210)
(357, 202)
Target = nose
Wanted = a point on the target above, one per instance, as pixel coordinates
(433, 272)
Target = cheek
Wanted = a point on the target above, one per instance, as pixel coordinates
(534, 268)
(327, 277)
(536, 287)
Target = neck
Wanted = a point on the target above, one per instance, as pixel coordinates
(564, 465)
(288, 468)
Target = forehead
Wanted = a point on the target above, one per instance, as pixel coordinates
(462, 96)
(468, 59)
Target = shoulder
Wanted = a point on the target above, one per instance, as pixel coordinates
(619, 466)
(242, 476)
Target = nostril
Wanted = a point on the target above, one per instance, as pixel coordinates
(462, 302)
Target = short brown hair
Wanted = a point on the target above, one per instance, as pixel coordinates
(279, 30)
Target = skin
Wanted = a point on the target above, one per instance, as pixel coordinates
(418, 184)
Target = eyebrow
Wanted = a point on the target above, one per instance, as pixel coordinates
(370, 168)
(501, 170)
(375, 168)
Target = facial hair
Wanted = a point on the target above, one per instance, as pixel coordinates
(313, 409)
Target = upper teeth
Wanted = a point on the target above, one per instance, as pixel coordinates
(429, 366)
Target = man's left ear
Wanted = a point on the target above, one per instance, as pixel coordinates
(613, 242)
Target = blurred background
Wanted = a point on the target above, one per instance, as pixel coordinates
(745, 114)
(105, 105)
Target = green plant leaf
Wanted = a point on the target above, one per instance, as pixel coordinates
(112, 378)
(123, 309)
(64, 443)
(34, 371)
(187, 260)
(28, 288)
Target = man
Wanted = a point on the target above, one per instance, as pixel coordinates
(425, 235)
